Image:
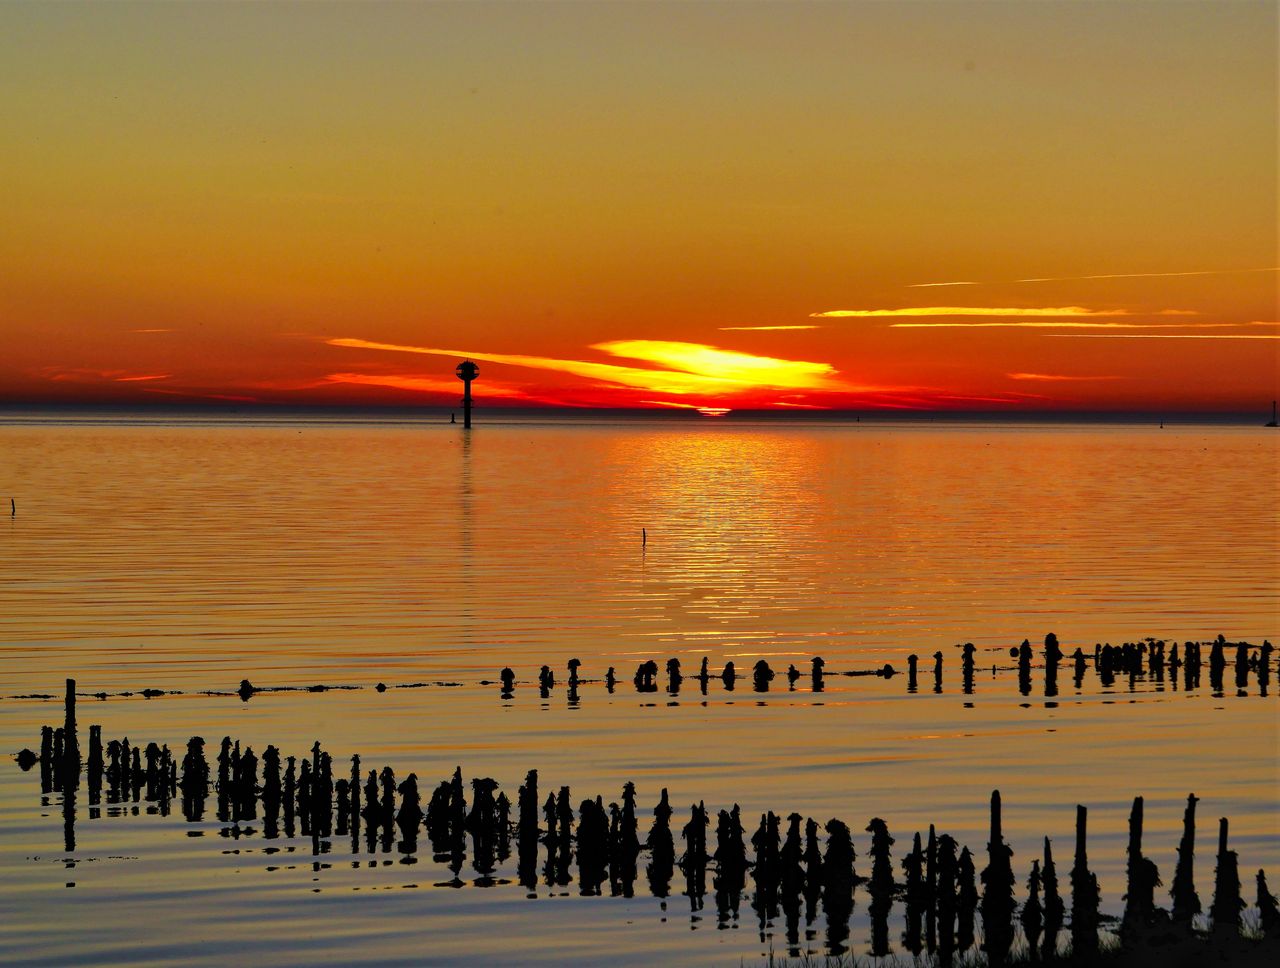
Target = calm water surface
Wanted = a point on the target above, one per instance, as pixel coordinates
(187, 554)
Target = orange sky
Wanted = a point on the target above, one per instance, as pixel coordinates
(913, 205)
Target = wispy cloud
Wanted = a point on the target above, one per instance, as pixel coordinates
(762, 329)
(1104, 275)
(1035, 311)
(82, 374)
(155, 330)
(1166, 335)
(1151, 275)
(202, 395)
(1061, 324)
(1057, 377)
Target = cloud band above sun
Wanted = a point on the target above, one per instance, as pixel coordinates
(685, 368)
(762, 329)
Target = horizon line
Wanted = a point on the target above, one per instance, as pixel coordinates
(665, 413)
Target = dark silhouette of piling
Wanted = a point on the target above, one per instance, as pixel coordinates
(817, 665)
(1078, 659)
(880, 886)
(1242, 666)
(1053, 907)
(1032, 912)
(46, 759)
(1268, 909)
(508, 683)
(246, 788)
(944, 902)
(915, 897)
(812, 867)
(1217, 663)
(1186, 902)
(912, 660)
(94, 767)
(661, 848)
(410, 814)
(70, 742)
(837, 885)
(1143, 878)
(674, 678)
(1085, 896)
(729, 675)
(966, 900)
(761, 676)
(271, 793)
(731, 865)
(937, 672)
(646, 677)
(1052, 657)
(290, 792)
(1023, 653)
(694, 861)
(195, 779)
(997, 894)
(487, 824)
(768, 869)
(695, 836)
(931, 891)
(627, 841)
(791, 857)
(1227, 903)
(593, 839)
(731, 850)
(527, 803)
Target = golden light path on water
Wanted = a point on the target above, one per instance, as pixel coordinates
(190, 553)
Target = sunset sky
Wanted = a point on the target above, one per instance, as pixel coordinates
(904, 205)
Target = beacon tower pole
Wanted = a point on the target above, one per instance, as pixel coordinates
(467, 371)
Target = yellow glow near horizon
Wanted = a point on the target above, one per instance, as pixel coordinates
(743, 368)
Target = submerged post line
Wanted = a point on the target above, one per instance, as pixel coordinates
(789, 864)
(1159, 667)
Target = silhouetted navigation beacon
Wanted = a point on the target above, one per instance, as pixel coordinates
(467, 371)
